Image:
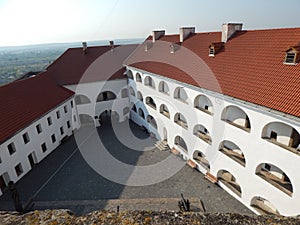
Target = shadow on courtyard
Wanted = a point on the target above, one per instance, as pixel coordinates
(65, 180)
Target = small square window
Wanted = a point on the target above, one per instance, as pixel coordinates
(72, 105)
(65, 109)
(58, 114)
(19, 169)
(49, 120)
(25, 138)
(38, 128)
(206, 107)
(44, 147)
(68, 124)
(290, 57)
(53, 138)
(61, 130)
(11, 148)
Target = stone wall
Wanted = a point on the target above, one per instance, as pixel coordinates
(140, 217)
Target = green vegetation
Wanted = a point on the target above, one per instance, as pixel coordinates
(19, 60)
(15, 63)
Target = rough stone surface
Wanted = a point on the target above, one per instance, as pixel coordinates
(55, 217)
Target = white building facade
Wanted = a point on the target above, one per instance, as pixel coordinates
(93, 99)
(32, 144)
(250, 151)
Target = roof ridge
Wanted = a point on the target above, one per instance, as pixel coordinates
(272, 29)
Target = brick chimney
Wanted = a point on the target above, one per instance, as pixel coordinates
(229, 29)
(184, 32)
(156, 34)
(84, 47)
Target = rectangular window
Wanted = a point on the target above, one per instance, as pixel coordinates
(0, 160)
(44, 147)
(38, 128)
(71, 104)
(53, 138)
(74, 118)
(49, 120)
(19, 169)
(11, 148)
(61, 130)
(290, 57)
(58, 114)
(25, 138)
(65, 109)
(68, 124)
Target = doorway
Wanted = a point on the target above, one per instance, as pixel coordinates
(32, 159)
(4, 179)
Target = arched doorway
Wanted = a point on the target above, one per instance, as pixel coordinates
(107, 117)
(86, 120)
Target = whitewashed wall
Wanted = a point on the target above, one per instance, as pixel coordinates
(8, 162)
(92, 90)
(255, 149)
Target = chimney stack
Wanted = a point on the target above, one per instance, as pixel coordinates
(112, 45)
(156, 34)
(84, 47)
(229, 29)
(184, 32)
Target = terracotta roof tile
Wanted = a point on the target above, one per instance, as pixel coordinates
(24, 101)
(250, 67)
(72, 64)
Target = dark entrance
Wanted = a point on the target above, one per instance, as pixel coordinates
(107, 117)
(3, 185)
(273, 135)
(31, 159)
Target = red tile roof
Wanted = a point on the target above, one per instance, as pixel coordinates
(24, 101)
(249, 67)
(70, 67)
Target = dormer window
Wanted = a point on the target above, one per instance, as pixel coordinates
(211, 51)
(214, 48)
(292, 55)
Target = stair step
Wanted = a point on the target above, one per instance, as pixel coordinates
(162, 145)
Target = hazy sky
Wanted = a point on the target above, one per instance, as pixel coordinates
(25, 22)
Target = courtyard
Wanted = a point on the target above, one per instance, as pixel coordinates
(65, 180)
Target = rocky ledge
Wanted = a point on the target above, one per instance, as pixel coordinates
(57, 217)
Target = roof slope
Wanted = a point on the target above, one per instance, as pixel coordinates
(70, 67)
(249, 67)
(22, 102)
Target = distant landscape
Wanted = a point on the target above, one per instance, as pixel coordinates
(17, 60)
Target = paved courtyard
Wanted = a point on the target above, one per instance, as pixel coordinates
(65, 180)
